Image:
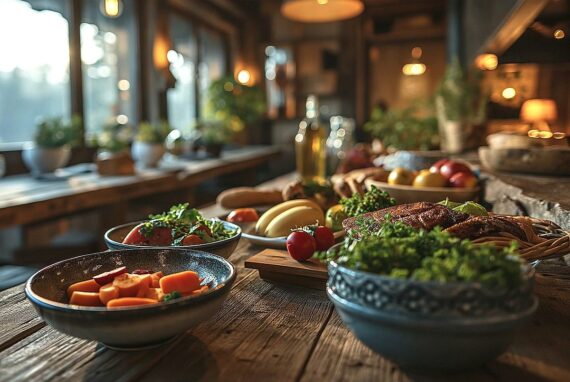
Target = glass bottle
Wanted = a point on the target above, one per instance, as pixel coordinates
(310, 149)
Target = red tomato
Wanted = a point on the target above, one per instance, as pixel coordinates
(135, 237)
(301, 245)
(160, 237)
(203, 229)
(192, 240)
(243, 215)
(324, 238)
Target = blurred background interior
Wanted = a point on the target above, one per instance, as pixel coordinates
(230, 74)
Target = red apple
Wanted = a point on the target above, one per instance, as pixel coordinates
(451, 168)
(463, 180)
(436, 167)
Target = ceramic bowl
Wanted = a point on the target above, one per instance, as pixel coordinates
(130, 327)
(114, 240)
(429, 325)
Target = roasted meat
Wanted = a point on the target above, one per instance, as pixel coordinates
(430, 215)
(479, 226)
(418, 215)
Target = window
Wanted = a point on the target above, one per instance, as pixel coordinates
(109, 62)
(182, 98)
(213, 62)
(34, 66)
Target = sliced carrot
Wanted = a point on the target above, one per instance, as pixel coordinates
(108, 292)
(128, 284)
(130, 301)
(182, 282)
(83, 286)
(201, 290)
(85, 299)
(145, 282)
(155, 294)
(155, 277)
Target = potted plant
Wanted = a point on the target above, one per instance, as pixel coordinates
(213, 136)
(114, 157)
(51, 148)
(460, 107)
(233, 104)
(148, 147)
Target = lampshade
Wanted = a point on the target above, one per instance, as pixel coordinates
(539, 110)
(320, 11)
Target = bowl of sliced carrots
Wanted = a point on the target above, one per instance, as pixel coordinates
(131, 299)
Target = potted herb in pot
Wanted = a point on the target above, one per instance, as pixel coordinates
(461, 108)
(51, 148)
(213, 136)
(148, 147)
(114, 157)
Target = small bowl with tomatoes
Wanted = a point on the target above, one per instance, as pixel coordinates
(131, 299)
(180, 227)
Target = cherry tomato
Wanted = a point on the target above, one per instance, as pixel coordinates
(203, 229)
(324, 238)
(192, 240)
(135, 237)
(160, 237)
(301, 245)
(243, 215)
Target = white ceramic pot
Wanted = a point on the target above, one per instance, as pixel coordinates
(41, 160)
(147, 154)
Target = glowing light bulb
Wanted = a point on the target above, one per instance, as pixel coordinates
(559, 34)
(243, 76)
(112, 8)
(509, 93)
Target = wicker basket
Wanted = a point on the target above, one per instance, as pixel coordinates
(545, 239)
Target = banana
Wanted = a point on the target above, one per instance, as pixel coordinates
(274, 211)
(295, 217)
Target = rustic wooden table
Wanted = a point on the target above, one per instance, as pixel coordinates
(268, 332)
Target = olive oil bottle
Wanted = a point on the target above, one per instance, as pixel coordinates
(310, 144)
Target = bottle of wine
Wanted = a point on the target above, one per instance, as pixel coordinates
(310, 144)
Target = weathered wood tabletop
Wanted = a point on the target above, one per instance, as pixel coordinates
(267, 332)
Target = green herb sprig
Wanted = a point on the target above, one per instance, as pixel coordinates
(373, 200)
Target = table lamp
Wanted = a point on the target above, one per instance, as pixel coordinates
(539, 112)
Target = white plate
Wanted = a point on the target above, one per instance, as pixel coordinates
(277, 242)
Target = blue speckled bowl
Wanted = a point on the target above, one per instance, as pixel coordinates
(130, 327)
(429, 325)
(115, 236)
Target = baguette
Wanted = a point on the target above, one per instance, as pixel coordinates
(247, 196)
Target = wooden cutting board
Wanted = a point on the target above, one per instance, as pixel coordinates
(277, 266)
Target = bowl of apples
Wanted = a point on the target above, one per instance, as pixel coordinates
(446, 179)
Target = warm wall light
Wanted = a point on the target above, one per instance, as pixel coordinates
(509, 93)
(160, 52)
(559, 34)
(415, 68)
(320, 11)
(111, 8)
(243, 76)
(539, 112)
(487, 61)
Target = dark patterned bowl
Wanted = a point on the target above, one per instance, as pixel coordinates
(115, 236)
(429, 325)
(130, 327)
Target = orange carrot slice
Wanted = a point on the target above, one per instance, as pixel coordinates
(182, 282)
(108, 292)
(155, 294)
(85, 299)
(130, 301)
(155, 277)
(145, 283)
(128, 284)
(83, 286)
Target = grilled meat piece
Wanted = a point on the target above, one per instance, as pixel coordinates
(479, 226)
(418, 215)
(429, 215)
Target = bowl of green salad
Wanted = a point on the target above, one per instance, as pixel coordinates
(180, 227)
(428, 300)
